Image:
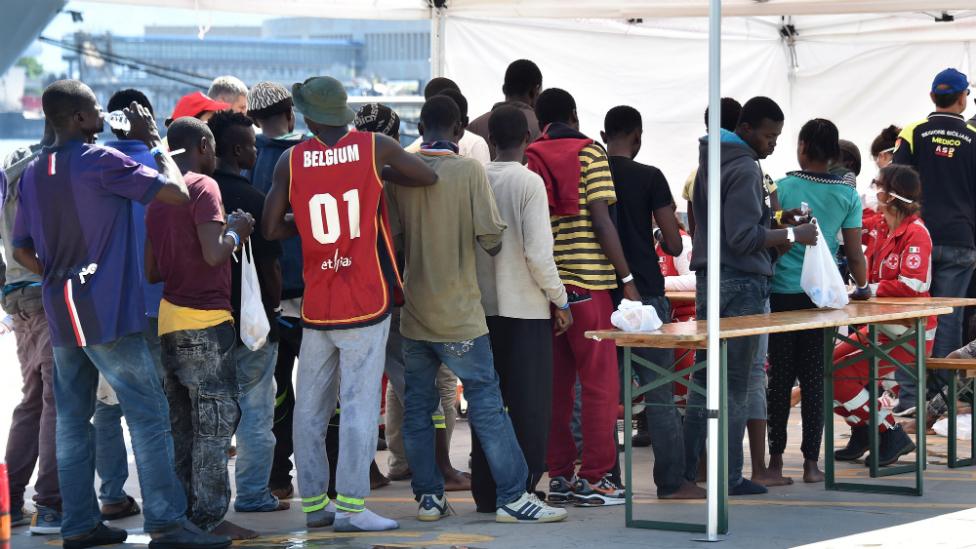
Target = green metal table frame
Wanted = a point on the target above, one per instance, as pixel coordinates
(876, 352)
(665, 376)
(953, 449)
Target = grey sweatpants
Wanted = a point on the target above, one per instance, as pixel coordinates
(344, 366)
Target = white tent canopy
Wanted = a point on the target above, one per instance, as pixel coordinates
(419, 9)
(862, 72)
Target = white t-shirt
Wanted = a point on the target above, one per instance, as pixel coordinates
(471, 145)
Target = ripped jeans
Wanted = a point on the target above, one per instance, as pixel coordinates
(201, 386)
(472, 361)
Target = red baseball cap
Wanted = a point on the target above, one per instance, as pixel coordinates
(194, 104)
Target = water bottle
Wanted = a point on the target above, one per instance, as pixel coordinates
(118, 121)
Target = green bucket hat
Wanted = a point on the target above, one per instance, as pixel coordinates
(322, 99)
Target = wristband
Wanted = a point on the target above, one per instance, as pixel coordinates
(237, 238)
(156, 151)
(790, 237)
(628, 278)
(778, 216)
(563, 307)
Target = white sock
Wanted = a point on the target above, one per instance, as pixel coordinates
(365, 521)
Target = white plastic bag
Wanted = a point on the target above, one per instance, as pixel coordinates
(634, 316)
(821, 278)
(963, 427)
(254, 321)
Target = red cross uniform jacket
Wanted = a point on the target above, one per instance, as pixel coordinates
(900, 264)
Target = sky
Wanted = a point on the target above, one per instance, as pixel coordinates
(126, 21)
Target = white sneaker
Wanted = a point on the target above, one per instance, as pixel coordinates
(433, 508)
(529, 509)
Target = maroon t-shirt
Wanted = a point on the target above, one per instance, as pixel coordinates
(188, 281)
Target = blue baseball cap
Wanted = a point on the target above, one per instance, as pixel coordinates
(950, 81)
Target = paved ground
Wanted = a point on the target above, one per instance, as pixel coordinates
(786, 517)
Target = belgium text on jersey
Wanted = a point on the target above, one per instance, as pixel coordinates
(331, 157)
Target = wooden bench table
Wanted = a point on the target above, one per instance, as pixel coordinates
(968, 367)
(693, 335)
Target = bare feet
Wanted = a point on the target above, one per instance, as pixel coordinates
(283, 492)
(795, 396)
(812, 473)
(233, 531)
(376, 478)
(456, 481)
(773, 476)
(687, 491)
(400, 475)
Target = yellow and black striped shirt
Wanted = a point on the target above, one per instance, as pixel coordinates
(579, 257)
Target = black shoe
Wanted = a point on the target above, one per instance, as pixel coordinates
(894, 443)
(641, 440)
(101, 535)
(856, 447)
(188, 536)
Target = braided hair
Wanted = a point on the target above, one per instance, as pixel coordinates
(821, 141)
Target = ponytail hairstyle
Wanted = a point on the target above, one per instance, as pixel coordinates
(885, 141)
(903, 181)
(821, 140)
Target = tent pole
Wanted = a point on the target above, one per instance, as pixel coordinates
(437, 23)
(714, 262)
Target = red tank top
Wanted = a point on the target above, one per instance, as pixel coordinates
(347, 253)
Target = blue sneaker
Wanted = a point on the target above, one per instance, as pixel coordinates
(46, 521)
(433, 508)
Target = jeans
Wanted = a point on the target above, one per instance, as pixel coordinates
(31, 440)
(952, 267)
(128, 368)
(663, 421)
(255, 441)
(757, 378)
(740, 294)
(111, 459)
(201, 386)
(471, 360)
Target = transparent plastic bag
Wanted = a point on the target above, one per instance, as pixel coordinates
(634, 316)
(820, 278)
(254, 320)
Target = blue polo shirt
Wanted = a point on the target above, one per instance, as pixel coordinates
(75, 211)
(138, 151)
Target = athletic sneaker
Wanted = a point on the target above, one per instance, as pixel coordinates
(561, 490)
(604, 492)
(903, 411)
(45, 521)
(433, 508)
(528, 509)
(19, 517)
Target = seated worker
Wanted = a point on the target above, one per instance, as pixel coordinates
(898, 266)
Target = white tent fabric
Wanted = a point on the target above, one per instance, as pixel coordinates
(419, 9)
(862, 73)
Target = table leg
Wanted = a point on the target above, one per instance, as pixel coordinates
(629, 364)
(875, 353)
(921, 454)
(828, 343)
(873, 402)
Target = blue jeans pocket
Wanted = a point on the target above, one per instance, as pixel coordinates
(217, 414)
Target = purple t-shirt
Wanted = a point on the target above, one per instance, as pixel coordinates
(74, 210)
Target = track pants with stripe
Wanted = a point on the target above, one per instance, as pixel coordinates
(355, 356)
(850, 383)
